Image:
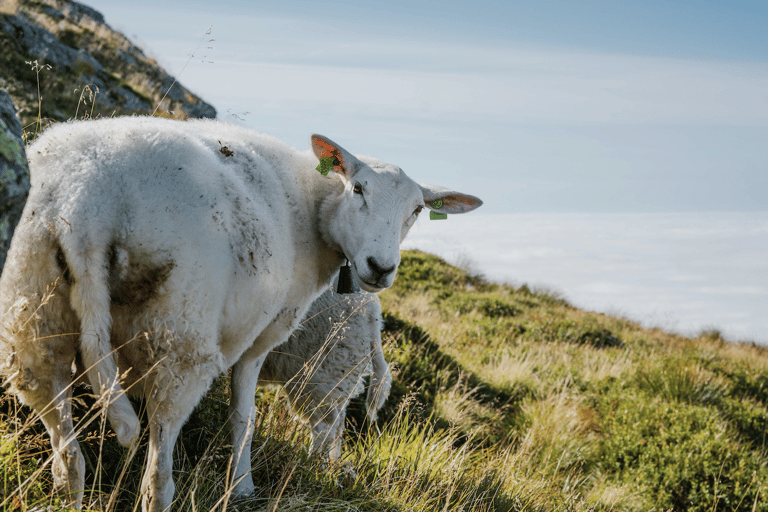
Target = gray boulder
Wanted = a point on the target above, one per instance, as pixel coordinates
(14, 173)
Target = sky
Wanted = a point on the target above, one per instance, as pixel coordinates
(548, 106)
(621, 125)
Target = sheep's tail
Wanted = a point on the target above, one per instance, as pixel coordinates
(90, 299)
(381, 379)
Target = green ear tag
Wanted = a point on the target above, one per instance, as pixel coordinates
(326, 164)
(437, 204)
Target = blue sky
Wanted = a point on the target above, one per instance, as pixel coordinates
(545, 106)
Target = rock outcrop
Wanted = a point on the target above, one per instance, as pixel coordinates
(14, 174)
(81, 67)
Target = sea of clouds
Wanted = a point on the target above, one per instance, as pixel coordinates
(686, 272)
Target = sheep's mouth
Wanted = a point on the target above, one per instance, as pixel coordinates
(370, 287)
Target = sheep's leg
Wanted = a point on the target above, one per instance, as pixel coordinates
(157, 486)
(166, 417)
(242, 417)
(327, 429)
(53, 401)
(68, 463)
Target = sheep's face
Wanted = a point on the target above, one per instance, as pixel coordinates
(378, 206)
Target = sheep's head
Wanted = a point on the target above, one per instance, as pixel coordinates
(378, 206)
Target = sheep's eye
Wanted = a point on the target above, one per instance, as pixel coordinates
(357, 189)
(418, 210)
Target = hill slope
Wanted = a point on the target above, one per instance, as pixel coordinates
(94, 70)
(504, 400)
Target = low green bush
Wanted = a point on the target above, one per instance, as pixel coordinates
(681, 453)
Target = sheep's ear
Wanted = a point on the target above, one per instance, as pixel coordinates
(442, 200)
(332, 157)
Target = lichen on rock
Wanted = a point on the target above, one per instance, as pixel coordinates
(14, 173)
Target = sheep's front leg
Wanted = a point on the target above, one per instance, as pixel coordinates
(242, 417)
(327, 429)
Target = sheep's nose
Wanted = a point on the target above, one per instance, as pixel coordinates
(377, 269)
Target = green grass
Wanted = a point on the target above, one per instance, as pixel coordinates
(504, 399)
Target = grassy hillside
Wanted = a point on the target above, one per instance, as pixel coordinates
(504, 400)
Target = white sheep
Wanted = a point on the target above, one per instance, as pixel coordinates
(176, 250)
(322, 364)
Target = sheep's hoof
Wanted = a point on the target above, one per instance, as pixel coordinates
(344, 474)
(347, 473)
(242, 502)
(128, 430)
(244, 489)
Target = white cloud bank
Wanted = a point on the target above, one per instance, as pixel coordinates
(685, 272)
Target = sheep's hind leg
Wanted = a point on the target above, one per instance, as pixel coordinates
(68, 465)
(166, 417)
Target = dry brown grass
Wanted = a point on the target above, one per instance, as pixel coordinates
(10, 7)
